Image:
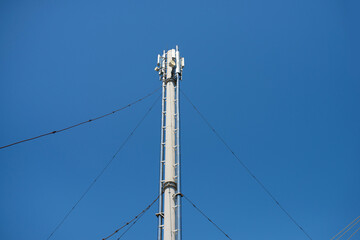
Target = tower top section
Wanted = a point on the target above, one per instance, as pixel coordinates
(170, 65)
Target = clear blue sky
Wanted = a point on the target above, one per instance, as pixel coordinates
(278, 79)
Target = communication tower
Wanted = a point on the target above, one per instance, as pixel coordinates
(169, 66)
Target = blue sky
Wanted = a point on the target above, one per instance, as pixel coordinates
(278, 79)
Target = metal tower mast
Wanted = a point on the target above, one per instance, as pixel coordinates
(169, 66)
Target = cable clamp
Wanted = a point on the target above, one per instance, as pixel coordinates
(179, 193)
(170, 184)
(160, 215)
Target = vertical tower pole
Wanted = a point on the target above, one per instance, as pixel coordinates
(169, 223)
(178, 71)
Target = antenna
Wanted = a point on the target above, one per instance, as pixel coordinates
(170, 66)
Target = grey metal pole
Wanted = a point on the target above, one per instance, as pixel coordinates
(169, 222)
(160, 216)
(178, 195)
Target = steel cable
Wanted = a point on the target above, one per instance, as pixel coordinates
(204, 215)
(353, 233)
(348, 229)
(245, 167)
(345, 228)
(104, 169)
(133, 220)
(130, 226)
(81, 123)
